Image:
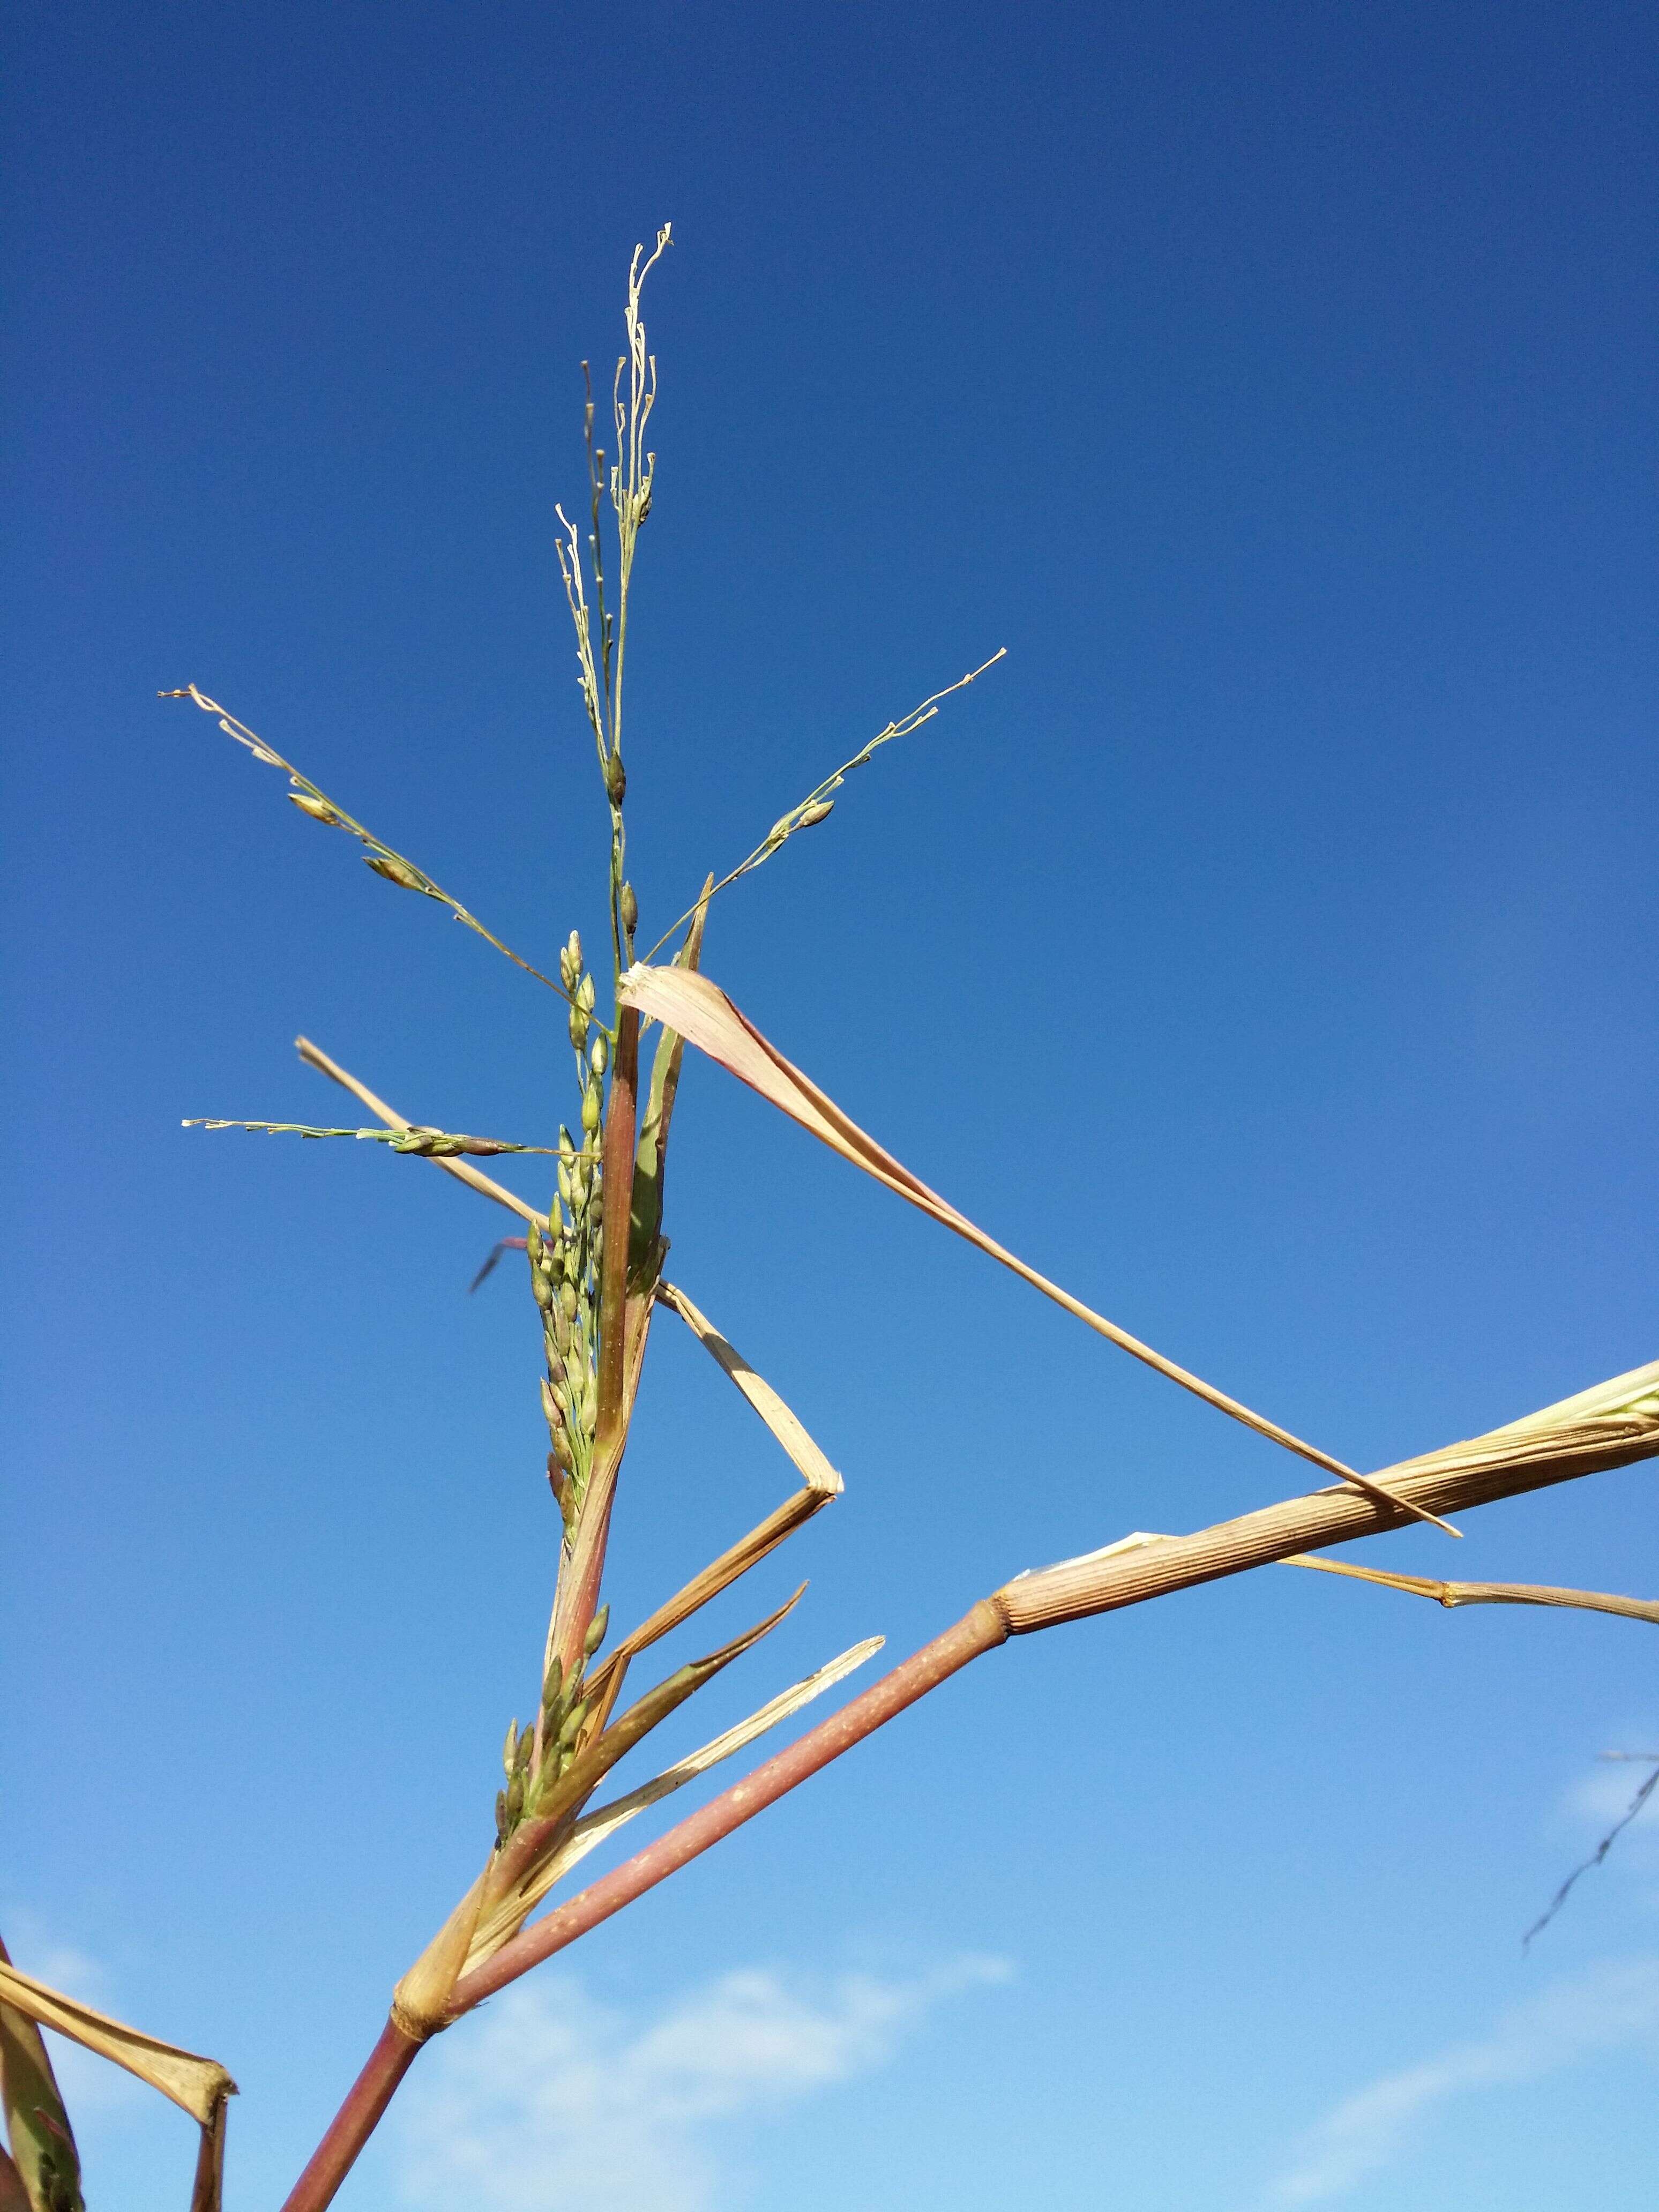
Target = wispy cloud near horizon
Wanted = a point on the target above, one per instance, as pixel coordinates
(1613, 2006)
(548, 2090)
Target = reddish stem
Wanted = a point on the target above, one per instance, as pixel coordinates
(580, 1586)
(1503, 1464)
(356, 2121)
(977, 1632)
(617, 1185)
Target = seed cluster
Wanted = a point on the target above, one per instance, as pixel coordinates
(564, 1262)
(60, 2185)
(565, 1707)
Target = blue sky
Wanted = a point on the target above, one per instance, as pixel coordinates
(1264, 950)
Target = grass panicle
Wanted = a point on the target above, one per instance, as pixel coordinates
(595, 1248)
(819, 803)
(391, 866)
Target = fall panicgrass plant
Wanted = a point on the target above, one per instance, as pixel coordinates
(594, 1261)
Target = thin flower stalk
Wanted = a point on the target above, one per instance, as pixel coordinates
(819, 803)
(422, 1143)
(632, 475)
(392, 866)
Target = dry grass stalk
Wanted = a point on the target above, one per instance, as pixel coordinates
(1613, 1425)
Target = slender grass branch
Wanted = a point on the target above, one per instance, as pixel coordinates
(381, 857)
(474, 1178)
(420, 1142)
(818, 803)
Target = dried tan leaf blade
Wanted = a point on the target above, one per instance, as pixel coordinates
(821, 1484)
(700, 1010)
(1610, 1425)
(592, 1829)
(1452, 1594)
(200, 2085)
(706, 1585)
(815, 1469)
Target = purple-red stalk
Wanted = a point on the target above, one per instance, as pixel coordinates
(587, 1569)
(356, 2121)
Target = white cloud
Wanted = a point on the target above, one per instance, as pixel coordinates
(1614, 2005)
(551, 2097)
